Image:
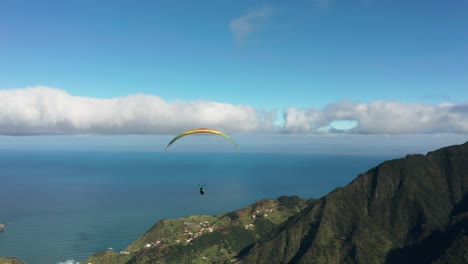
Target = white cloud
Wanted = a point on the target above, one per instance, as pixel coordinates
(381, 117)
(242, 26)
(44, 110)
(48, 111)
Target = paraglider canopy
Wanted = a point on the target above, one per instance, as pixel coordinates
(202, 130)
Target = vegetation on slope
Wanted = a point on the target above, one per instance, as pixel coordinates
(387, 214)
(206, 239)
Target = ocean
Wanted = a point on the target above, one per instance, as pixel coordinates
(63, 206)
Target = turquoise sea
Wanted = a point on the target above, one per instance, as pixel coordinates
(63, 206)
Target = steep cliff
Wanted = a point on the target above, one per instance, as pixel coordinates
(394, 211)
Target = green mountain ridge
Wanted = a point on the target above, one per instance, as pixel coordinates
(391, 208)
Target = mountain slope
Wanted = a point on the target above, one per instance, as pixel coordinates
(395, 205)
(204, 238)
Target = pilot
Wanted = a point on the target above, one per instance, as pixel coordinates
(202, 189)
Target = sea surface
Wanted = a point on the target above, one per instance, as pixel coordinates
(63, 206)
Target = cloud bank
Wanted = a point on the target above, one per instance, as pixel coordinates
(244, 25)
(44, 110)
(380, 117)
(47, 111)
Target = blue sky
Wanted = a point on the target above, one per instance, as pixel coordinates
(284, 67)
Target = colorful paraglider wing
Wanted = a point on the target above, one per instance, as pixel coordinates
(202, 130)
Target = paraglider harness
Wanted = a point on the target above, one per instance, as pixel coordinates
(202, 189)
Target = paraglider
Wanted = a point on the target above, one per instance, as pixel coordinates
(198, 131)
(202, 130)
